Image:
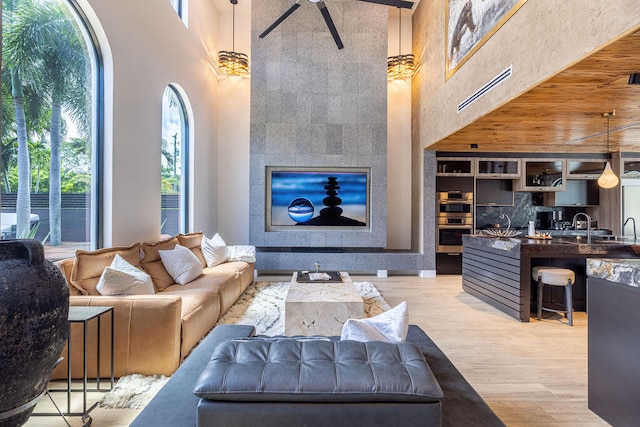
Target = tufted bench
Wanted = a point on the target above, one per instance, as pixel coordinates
(316, 381)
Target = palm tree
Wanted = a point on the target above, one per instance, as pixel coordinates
(9, 145)
(45, 41)
(39, 155)
(23, 201)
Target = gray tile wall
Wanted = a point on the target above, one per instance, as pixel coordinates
(315, 105)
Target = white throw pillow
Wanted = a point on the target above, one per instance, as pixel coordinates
(390, 326)
(122, 278)
(215, 250)
(242, 253)
(181, 264)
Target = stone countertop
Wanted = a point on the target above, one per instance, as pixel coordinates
(624, 271)
(566, 245)
(596, 232)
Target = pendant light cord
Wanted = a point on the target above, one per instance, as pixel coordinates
(233, 28)
(608, 119)
(400, 32)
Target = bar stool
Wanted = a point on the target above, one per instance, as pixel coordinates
(555, 276)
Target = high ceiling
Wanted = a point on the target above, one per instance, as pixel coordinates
(244, 6)
(565, 113)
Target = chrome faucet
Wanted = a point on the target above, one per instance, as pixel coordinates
(573, 224)
(635, 236)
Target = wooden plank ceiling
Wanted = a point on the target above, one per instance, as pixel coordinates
(564, 114)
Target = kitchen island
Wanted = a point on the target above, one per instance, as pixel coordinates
(613, 331)
(498, 270)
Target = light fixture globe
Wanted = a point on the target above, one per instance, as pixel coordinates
(608, 179)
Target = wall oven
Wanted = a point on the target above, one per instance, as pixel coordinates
(454, 219)
(455, 204)
(449, 232)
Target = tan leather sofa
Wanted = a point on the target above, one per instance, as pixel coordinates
(152, 333)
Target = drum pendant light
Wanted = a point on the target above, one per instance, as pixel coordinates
(232, 62)
(400, 66)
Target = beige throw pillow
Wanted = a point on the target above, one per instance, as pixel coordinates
(215, 250)
(122, 278)
(390, 326)
(152, 264)
(181, 264)
(89, 266)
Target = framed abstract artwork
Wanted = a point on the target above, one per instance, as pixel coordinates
(470, 23)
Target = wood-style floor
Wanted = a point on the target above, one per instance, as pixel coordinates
(531, 374)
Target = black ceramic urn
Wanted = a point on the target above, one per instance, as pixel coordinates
(34, 306)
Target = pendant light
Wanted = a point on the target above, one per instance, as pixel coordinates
(400, 66)
(608, 179)
(233, 63)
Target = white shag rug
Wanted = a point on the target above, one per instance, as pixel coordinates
(133, 391)
(261, 305)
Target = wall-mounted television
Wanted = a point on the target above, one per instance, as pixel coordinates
(318, 198)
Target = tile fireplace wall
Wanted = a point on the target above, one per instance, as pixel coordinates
(315, 105)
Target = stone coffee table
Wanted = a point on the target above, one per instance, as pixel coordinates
(321, 308)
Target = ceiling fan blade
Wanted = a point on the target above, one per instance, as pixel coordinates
(329, 21)
(393, 3)
(279, 20)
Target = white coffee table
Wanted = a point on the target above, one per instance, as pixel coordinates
(321, 308)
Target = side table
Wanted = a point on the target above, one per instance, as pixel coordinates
(83, 315)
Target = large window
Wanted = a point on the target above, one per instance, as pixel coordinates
(180, 6)
(50, 84)
(174, 160)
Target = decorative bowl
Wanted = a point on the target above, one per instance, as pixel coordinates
(501, 232)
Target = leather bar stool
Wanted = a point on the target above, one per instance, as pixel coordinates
(554, 276)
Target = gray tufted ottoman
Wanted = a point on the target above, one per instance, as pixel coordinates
(317, 382)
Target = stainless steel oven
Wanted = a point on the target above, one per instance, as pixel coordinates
(449, 232)
(455, 204)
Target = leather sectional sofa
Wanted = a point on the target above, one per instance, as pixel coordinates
(152, 333)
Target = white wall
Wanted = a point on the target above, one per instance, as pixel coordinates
(233, 131)
(399, 142)
(147, 47)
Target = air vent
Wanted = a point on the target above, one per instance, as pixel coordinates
(486, 88)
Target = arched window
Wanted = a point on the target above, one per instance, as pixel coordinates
(175, 143)
(180, 6)
(51, 126)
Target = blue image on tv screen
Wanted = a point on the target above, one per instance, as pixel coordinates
(300, 198)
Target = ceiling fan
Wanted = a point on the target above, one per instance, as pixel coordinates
(327, 17)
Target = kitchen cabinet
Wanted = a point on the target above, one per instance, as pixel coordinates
(454, 166)
(630, 205)
(631, 168)
(542, 175)
(578, 192)
(585, 168)
(494, 192)
(497, 168)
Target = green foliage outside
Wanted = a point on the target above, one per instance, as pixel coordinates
(46, 91)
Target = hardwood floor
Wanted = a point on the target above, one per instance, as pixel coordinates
(531, 374)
